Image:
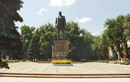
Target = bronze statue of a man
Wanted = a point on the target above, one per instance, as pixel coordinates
(60, 24)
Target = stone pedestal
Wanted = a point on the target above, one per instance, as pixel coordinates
(60, 49)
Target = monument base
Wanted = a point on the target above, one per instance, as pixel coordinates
(60, 49)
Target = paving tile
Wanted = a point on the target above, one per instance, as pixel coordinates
(88, 67)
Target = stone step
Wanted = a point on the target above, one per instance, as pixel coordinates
(36, 75)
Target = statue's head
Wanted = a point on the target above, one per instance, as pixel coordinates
(60, 13)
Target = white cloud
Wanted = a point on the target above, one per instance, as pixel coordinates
(69, 2)
(83, 20)
(60, 3)
(42, 10)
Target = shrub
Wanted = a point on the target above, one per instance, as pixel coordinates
(104, 61)
(4, 64)
(125, 62)
(116, 62)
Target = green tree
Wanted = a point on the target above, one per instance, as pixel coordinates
(114, 33)
(105, 43)
(97, 47)
(87, 46)
(33, 50)
(9, 36)
(80, 41)
(118, 32)
(47, 33)
(126, 32)
(26, 38)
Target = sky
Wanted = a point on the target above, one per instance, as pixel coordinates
(90, 14)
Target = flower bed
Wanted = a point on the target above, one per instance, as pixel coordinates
(61, 62)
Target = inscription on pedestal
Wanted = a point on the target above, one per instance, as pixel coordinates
(60, 49)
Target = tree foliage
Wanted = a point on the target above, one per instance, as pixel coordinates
(26, 38)
(9, 36)
(118, 32)
(38, 43)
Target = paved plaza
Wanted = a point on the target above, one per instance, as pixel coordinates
(84, 68)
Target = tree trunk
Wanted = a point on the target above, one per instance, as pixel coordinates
(126, 46)
(119, 49)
